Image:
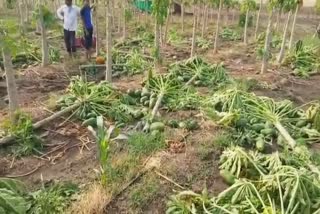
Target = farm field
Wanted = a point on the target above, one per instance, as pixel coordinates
(213, 111)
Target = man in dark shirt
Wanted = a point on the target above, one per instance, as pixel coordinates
(86, 17)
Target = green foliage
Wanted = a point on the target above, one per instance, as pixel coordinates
(317, 6)
(248, 5)
(203, 73)
(9, 35)
(128, 15)
(160, 10)
(281, 189)
(24, 134)
(304, 58)
(203, 43)
(103, 139)
(52, 200)
(242, 20)
(12, 203)
(10, 3)
(230, 34)
(49, 18)
(145, 144)
(12, 199)
(223, 140)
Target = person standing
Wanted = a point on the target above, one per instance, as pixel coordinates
(69, 14)
(86, 17)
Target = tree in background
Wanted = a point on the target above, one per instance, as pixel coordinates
(194, 28)
(258, 20)
(8, 46)
(46, 19)
(160, 12)
(216, 37)
(266, 55)
(246, 7)
(288, 7)
(298, 6)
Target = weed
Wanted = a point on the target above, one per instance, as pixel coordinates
(23, 132)
(53, 199)
(144, 144)
(223, 140)
(144, 193)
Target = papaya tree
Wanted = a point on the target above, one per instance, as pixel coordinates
(258, 20)
(235, 5)
(109, 40)
(46, 19)
(205, 19)
(194, 29)
(160, 12)
(266, 55)
(8, 46)
(288, 6)
(227, 5)
(298, 6)
(246, 7)
(216, 37)
(167, 23)
(279, 7)
(127, 18)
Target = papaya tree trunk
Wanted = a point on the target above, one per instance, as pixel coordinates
(258, 20)
(204, 23)
(293, 27)
(182, 17)
(124, 20)
(245, 39)
(193, 44)
(278, 19)
(109, 42)
(157, 53)
(167, 27)
(265, 57)
(11, 84)
(215, 50)
(20, 9)
(233, 15)
(284, 39)
(44, 40)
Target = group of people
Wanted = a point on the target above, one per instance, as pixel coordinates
(69, 13)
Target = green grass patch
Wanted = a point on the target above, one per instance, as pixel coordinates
(144, 144)
(144, 193)
(223, 140)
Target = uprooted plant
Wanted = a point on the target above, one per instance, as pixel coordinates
(24, 135)
(96, 99)
(196, 71)
(304, 58)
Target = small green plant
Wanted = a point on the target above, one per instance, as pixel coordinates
(103, 138)
(144, 144)
(223, 140)
(24, 134)
(52, 200)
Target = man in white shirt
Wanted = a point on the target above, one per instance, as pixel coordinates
(69, 14)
